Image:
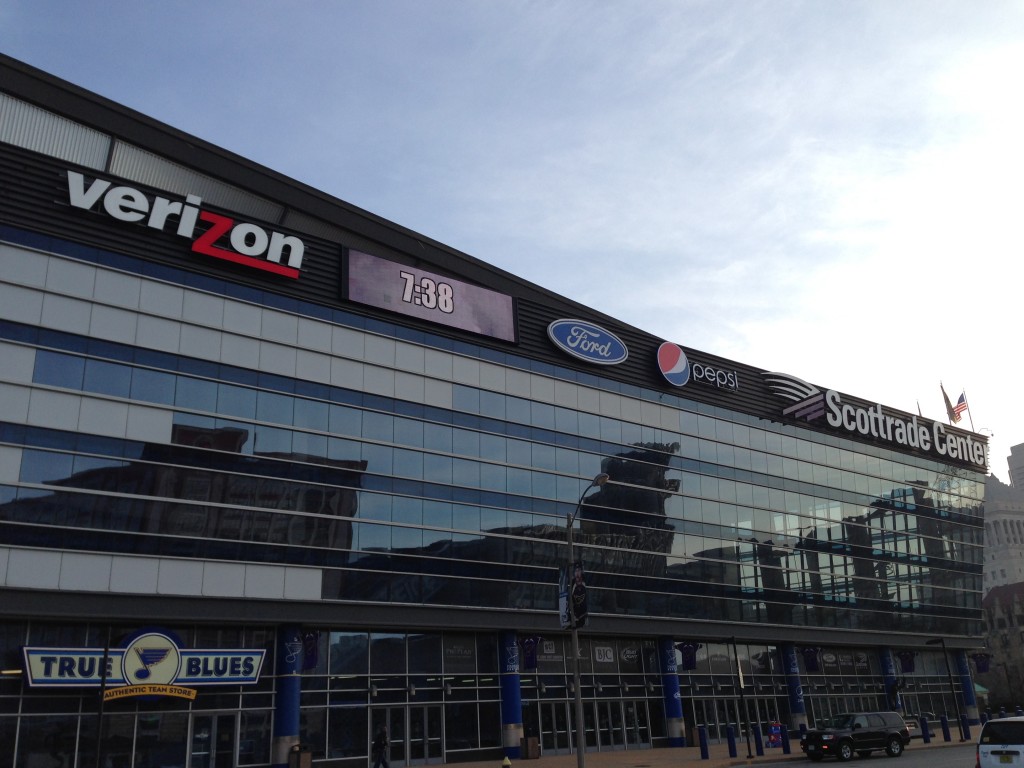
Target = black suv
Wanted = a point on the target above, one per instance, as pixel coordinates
(861, 732)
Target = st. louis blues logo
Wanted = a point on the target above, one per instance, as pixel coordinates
(151, 658)
(809, 401)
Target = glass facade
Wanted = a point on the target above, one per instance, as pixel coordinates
(171, 436)
(710, 514)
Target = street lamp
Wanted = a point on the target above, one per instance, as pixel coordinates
(598, 480)
(949, 672)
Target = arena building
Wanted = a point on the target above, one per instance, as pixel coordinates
(276, 472)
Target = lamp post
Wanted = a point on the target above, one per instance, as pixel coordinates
(952, 689)
(598, 480)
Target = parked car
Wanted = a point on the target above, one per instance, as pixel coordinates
(1001, 744)
(857, 732)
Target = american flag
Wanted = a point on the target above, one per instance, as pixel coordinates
(961, 406)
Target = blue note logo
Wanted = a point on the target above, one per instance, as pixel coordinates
(151, 658)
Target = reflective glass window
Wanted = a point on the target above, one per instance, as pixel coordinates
(408, 432)
(153, 386)
(58, 370)
(438, 469)
(378, 426)
(45, 466)
(492, 405)
(236, 401)
(271, 440)
(346, 421)
(108, 378)
(274, 408)
(517, 410)
(438, 437)
(312, 414)
(196, 394)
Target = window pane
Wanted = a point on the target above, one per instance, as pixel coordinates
(196, 394)
(108, 378)
(153, 386)
(58, 370)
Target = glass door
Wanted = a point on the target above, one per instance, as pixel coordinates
(213, 741)
(609, 725)
(635, 722)
(554, 727)
(425, 737)
(416, 733)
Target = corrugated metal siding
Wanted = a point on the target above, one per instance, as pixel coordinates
(136, 164)
(30, 127)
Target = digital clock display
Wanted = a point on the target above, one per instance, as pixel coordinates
(429, 296)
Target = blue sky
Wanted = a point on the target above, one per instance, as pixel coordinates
(827, 189)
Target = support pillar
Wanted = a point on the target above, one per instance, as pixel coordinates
(794, 687)
(890, 681)
(288, 690)
(670, 688)
(511, 697)
(963, 668)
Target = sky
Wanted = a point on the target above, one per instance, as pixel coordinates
(829, 189)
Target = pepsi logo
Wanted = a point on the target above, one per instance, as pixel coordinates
(673, 364)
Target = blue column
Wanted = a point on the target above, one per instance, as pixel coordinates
(289, 689)
(889, 679)
(670, 687)
(511, 696)
(791, 667)
(963, 667)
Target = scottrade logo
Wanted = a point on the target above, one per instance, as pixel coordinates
(809, 401)
(239, 242)
(587, 341)
(673, 364)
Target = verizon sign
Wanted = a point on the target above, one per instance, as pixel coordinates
(222, 237)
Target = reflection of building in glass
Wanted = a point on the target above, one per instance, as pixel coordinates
(1004, 593)
(226, 441)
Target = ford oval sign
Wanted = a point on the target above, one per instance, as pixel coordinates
(587, 342)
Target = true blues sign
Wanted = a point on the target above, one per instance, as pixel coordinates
(151, 663)
(587, 341)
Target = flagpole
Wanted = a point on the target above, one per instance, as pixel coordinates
(949, 406)
(969, 414)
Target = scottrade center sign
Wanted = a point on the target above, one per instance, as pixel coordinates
(152, 663)
(810, 404)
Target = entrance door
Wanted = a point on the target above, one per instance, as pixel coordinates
(213, 740)
(554, 727)
(609, 725)
(425, 742)
(635, 721)
(415, 733)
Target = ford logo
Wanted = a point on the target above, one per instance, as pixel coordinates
(587, 341)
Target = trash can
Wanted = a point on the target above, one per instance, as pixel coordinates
(301, 756)
(529, 748)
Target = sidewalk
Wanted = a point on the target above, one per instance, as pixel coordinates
(718, 757)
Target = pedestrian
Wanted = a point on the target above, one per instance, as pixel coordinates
(380, 749)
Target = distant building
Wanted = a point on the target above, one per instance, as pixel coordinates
(1004, 616)
(1003, 604)
(1004, 533)
(1016, 463)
